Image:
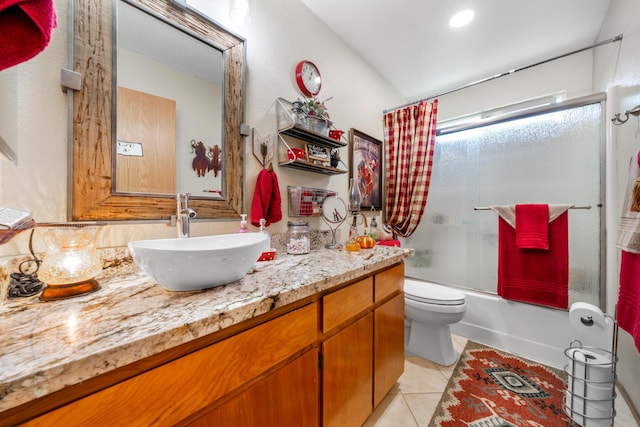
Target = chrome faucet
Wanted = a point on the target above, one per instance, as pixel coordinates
(183, 214)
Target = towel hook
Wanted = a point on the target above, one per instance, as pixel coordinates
(635, 111)
(264, 150)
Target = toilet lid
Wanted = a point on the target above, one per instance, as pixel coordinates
(432, 293)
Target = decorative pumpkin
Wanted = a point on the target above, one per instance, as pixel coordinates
(366, 241)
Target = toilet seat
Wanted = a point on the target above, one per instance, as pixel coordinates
(433, 294)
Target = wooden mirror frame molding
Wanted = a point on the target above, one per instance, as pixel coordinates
(91, 196)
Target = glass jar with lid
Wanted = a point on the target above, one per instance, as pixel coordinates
(298, 242)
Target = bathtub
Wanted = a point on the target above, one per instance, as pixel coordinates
(534, 332)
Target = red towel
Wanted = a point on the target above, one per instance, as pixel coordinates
(628, 312)
(267, 202)
(25, 29)
(534, 275)
(532, 226)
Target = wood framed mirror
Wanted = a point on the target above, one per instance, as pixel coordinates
(92, 197)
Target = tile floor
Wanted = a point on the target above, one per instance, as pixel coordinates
(414, 398)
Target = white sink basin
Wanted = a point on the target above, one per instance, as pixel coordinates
(198, 262)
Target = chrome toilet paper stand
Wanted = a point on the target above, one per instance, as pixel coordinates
(577, 398)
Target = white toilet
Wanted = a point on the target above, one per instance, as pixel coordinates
(429, 309)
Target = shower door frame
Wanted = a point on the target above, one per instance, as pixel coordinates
(599, 98)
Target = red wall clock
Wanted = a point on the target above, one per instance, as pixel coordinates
(308, 78)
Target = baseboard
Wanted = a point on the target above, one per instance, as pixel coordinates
(532, 350)
(623, 392)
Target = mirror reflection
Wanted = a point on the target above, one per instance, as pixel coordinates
(169, 109)
(334, 213)
(96, 193)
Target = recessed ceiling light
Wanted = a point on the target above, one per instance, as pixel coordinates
(461, 18)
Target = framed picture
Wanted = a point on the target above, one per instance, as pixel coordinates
(318, 154)
(365, 167)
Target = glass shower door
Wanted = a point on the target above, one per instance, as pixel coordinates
(552, 158)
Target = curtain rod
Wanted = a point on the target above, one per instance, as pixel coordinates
(506, 73)
(487, 208)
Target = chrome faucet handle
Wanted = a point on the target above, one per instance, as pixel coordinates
(182, 200)
(183, 214)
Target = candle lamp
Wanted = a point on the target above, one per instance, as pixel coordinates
(71, 262)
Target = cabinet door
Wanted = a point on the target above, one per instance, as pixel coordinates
(174, 391)
(347, 374)
(388, 344)
(287, 397)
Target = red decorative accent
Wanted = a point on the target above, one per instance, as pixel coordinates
(533, 275)
(26, 29)
(628, 313)
(389, 243)
(306, 203)
(336, 134)
(303, 88)
(267, 256)
(491, 387)
(266, 202)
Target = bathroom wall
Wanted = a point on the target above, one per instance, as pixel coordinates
(616, 70)
(279, 34)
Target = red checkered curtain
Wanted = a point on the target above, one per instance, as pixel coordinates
(409, 135)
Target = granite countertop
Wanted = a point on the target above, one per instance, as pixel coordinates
(45, 347)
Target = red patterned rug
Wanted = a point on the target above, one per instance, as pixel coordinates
(493, 388)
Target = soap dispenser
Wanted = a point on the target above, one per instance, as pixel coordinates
(243, 224)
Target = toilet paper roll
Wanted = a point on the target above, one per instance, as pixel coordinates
(590, 390)
(587, 413)
(586, 317)
(590, 366)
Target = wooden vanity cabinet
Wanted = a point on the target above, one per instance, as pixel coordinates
(173, 392)
(327, 362)
(363, 349)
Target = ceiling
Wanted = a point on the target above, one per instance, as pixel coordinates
(410, 43)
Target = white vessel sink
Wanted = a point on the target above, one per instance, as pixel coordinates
(198, 262)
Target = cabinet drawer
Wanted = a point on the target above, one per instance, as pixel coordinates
(389, 282)
(167, 394)
(344, 304)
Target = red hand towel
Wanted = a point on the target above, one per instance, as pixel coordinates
(25, 29)
(532, 226)
(267, 202)
(274, 213)
(628, 312)
(532, 275)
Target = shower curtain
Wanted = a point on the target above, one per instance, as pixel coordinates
(409, 136)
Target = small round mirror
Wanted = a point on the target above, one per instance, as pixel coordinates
(334, 212)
